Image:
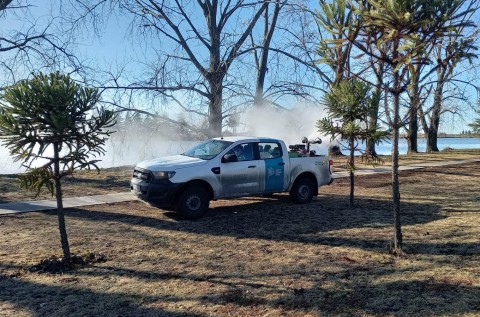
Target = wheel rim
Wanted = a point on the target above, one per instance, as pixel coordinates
(193, 203)
(304, 192)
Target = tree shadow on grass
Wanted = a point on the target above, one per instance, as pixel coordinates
(62, 300)
(358, 295)
(356, 291)
(280, 220)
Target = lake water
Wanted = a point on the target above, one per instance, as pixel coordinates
(455, 143)
(120, 152)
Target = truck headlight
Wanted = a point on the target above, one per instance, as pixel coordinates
(163, 175)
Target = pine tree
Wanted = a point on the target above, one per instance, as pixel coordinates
(50, 117)
(475, 125)
(349, 104)
(404, 31)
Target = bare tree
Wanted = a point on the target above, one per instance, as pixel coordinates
(288, 57)
(193, 57)
(414, 93)
(453, 49)
(29, 43)
(190, 49)
(261, 59)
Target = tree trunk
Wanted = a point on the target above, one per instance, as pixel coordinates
(412, 132)
(373, 115)
(432, 140)
(370, 145)
(60, 213)
(371, 148)
(215, 77)
(263, 60)
(352, 175)
(215, 107)
(373, 121)
(423, 121)
(397, 241)
(432, 136)
(395, 182)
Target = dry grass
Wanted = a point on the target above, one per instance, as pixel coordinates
(445, 155)
(110, 180)
(260, 256)
(82, 183)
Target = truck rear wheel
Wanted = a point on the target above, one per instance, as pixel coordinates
(302, 190)
(192, 202)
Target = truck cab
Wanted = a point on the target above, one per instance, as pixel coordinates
(228, 167)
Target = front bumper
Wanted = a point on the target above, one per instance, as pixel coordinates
(158, 193)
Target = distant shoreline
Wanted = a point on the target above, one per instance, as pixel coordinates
(449, 136)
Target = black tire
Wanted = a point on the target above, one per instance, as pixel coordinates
(192, 202)
(302, 190)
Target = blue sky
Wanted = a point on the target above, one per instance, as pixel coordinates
(115, 47)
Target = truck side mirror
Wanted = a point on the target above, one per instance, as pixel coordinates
(229, 158)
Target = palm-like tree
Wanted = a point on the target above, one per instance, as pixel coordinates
(401, 31)
(53, 118)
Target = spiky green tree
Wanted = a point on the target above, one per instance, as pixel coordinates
(475, 125)
(55, 122)
(349, 104)
(404, 30)
(341, 26)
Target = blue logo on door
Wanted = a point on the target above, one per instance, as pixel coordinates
(274, 174)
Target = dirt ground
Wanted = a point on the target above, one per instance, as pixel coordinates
(82, 183)
(111, 180)
(260, 256)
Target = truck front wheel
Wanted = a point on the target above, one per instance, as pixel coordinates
(302, 191)
(192, 202)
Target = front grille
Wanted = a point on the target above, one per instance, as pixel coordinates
(143, 175)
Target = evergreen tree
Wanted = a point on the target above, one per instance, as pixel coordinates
(475, 125)
(349, 104)
(404, 30)
(52, 118)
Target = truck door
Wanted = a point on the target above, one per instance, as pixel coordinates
(272, 176)
(241, 178)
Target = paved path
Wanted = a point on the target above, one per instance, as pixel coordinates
(379, 170)
(39, 205)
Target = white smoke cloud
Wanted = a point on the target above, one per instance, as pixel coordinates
(125, 148)
(132, 145)
(288, 125)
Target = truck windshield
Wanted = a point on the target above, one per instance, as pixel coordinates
(208, 149)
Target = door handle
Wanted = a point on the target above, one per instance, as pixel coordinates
(281, 164)
(252, 166)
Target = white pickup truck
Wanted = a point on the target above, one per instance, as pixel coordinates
(229, 167)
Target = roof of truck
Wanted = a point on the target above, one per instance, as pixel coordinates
(245, 138)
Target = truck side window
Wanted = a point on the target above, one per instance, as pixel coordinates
(248, 149)
(270, 150)
(244, 151)
(276, 152)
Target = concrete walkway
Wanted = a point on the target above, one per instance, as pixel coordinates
(39, 205)
(380, 170)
